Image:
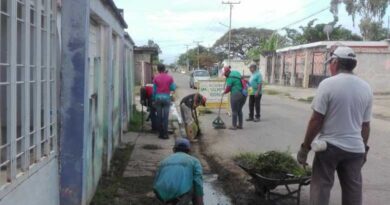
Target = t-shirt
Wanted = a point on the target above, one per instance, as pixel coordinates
(234, 82)
(255, 80)
(163, 85)
(346, 102)
(178, 174)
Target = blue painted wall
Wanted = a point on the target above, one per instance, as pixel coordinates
(73, 109)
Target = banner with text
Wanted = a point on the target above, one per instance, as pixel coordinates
(212, 90)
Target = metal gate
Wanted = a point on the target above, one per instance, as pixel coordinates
(319, 70)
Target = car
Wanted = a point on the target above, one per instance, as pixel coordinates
(197, 75)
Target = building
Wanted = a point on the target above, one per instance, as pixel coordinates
(66, 96)
(303, 65)
(144, 64)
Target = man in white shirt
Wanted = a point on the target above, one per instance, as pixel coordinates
(341, 116)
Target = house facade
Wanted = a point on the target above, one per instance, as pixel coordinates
(303, 65)
(66, 96)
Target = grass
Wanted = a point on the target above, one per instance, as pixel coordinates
(135, 124)
(272, 92)
(109, 184)
(308, 99)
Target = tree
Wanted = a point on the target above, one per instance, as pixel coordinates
(314, 33)
(267, 46)
(372, 13)
(242, 40)
(207, 58)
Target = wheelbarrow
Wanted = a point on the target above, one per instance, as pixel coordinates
(264, 186)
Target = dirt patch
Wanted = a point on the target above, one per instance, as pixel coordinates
(151, 147)
(110, 182)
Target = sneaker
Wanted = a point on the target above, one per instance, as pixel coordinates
(257, 120)
(249, 119)
(239, 127)
(232, 128)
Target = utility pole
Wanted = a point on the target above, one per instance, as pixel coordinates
(230, 23)
(198, 42)
(188, 60)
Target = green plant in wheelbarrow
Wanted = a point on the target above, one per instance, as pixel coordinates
(272, 164)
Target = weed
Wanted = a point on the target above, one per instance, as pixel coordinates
(135, 123)
(272, 92)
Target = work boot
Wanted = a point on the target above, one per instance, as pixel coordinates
(249, 119)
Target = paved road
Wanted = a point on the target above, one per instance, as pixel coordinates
(282, 128)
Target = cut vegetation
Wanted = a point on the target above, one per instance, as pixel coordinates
(272, 164)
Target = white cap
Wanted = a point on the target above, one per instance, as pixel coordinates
(342, 52)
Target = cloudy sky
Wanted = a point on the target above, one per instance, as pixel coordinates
(176, 23)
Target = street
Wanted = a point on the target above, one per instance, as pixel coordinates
(282, 127)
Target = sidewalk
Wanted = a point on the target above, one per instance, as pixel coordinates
(381, 107)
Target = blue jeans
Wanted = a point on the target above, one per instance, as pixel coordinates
(162, 107)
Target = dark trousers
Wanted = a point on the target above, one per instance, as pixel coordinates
(237, 102)
(348, 166)
(254, 103)
(162, 107)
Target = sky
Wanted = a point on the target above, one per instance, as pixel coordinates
(173, 24)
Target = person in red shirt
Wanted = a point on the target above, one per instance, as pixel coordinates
(163, 85)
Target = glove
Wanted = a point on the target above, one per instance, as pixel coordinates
(302, 155)
(365, 154)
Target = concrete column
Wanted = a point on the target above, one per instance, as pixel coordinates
(281, 70)
(293, 71)
(307, 69)
(74, 104)
(273, 59)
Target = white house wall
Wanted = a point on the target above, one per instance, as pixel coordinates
(36, 190)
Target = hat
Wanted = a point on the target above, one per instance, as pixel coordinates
(182, 143)
(226, 69)
(203, 101)
(342, 52)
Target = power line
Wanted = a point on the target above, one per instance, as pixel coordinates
(293, 12)
(311, 15)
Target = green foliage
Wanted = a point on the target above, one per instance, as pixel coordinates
(272, 164)
(207, 57)
(135, 124)
(267, 46)
(242, 41)
(371, 12)
(314, 33)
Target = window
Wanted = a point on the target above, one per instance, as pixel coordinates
(28, 63)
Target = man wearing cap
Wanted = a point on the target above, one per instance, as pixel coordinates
(341, 116)
(237, 98)
(179, 177)
(188, 112)
(255, 93)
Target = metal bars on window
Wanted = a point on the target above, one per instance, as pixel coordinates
(28, 42)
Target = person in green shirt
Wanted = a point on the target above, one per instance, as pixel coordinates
(237, 98)
(179, 177)
(255, 93)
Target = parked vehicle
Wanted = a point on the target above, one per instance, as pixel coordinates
(197, 75)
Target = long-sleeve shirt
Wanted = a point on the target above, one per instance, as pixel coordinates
(178, 174)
